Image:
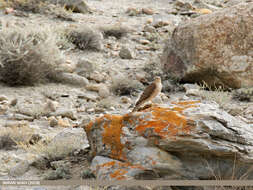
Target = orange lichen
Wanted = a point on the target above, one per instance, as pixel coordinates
(118, 174)
(120, 168)
(164, 122)
(108, 164)
(111, 135)
(168, 122)
(184, 103)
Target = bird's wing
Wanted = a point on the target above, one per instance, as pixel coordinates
(146, 94)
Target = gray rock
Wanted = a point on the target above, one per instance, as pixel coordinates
(125, 53)
(84, 67)
(71, 78)
(65, 113)
(70, 134)
(3, 97)
(197, 52)
(88, 96)
(20, 117)
(19, 169)
(53, 122)
(103, 91)
(149, 28)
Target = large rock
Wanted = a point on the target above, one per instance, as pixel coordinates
(181, 140)
(215, 48)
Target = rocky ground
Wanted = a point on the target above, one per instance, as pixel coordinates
(40, 135)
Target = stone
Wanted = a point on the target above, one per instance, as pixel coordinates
(63, 122)
(145, 42)
(96, 76)
(72, 135)
(21, 117)
(150, 29)
(19, 169)
(147, 11)
(149, 20)
(133, 11)
(85, 66)
(85, 120)
(125, 100)
(90, 110)
(215, 48)
(125, 53)
(14, 102)
(177, 140)
(90, 96)
(3, 97)
(53, 122)
(93, 87)
(71, 78)
(51, 106)
(103, 91)
(64, 112)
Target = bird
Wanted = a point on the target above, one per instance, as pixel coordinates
(149, 93)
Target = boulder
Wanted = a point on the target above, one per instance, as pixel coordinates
(178, 140)
(215, 48)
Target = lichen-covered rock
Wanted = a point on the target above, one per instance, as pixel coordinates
(215, 48)
(180, 140)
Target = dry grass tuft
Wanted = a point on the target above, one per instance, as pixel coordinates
(219, 96)
(52, 150)
(85, 39)
(38, 6)
(12, 136)
(115, 30)
(34, 6)
(123, 86)
(243, 94)
(28, 55)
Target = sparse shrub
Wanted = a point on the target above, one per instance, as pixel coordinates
(28, 55)
(6, 142)
(59, 173)
(39, 6)
(106, 103)
(35, 6)
(217, 95)
(243, 94)
(124, 86)
(87, 173)
(51, 150)
(12, 136)
(85, 39)
(115, 30)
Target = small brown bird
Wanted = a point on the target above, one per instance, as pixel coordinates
(149, 93)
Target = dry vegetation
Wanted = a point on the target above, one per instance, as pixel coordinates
(28, 55)
(218, 95)
(52, 150)
(117, 31)
(12, 136)
(85, 38)
(122, 86)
